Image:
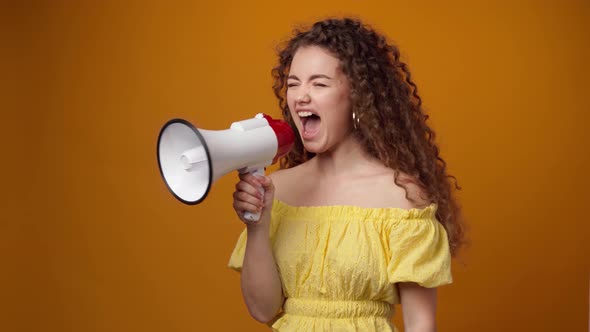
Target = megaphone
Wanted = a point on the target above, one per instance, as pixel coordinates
(191, 159)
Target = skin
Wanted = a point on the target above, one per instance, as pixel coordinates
(339, 174)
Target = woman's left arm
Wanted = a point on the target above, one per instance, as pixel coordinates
(418, 306)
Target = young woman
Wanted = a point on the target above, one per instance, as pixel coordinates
(361, 215)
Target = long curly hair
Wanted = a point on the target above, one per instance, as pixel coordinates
(391, 122)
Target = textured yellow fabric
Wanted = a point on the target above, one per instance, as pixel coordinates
(338, 264)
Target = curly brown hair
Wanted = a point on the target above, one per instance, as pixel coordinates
(391, 122)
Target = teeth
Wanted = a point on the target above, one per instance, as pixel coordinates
(304, 114)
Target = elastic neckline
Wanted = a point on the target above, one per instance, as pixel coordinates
(353, 211)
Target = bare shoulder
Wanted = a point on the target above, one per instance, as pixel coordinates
(405, 194)
(417, 196)
(285, 178)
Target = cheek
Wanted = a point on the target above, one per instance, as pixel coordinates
(290, 100)
(291, 106)
(340, 103)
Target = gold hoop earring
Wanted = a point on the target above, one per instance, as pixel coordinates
(355, 121)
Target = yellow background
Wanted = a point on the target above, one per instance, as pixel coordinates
(91, 240)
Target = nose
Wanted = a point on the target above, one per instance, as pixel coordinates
(303, 97)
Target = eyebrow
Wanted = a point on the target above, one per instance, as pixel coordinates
(313, 77)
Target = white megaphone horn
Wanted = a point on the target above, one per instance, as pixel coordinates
(191, 159)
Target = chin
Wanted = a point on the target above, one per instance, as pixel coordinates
(315, 147)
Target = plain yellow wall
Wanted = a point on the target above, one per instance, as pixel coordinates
(91, 240)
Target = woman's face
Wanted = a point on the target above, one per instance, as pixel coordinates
(318, 96)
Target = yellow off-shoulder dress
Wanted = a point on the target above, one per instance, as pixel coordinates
(339, 264)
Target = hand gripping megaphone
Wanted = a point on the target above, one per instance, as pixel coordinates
(191, 159)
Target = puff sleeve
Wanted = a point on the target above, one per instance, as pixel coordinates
(237, 256)
(419, 250)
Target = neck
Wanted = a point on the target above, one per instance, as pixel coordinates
(346, 159)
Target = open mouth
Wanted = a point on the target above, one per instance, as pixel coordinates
(310, 121)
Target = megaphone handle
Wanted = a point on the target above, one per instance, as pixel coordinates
(249, 215)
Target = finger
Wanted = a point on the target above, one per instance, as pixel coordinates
(251, 179)
(266, 183)
(248, 188)
(242, 207)
(240, 196)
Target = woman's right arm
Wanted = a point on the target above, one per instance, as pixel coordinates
(261, 285)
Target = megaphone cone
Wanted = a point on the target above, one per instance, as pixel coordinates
(185, 161)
